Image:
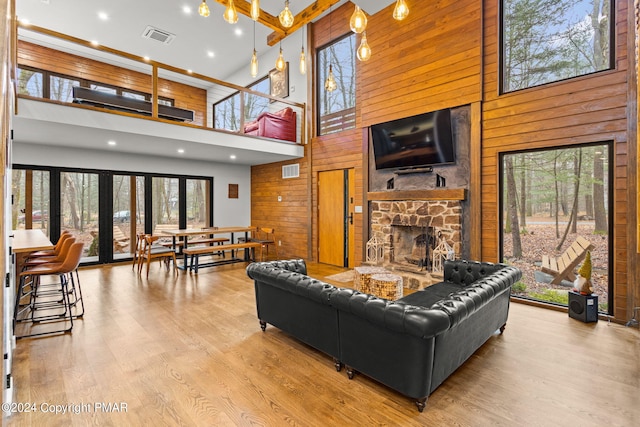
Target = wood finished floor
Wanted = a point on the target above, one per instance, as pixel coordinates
(188, 351)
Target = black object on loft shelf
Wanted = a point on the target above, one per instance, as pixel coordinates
(84, 95)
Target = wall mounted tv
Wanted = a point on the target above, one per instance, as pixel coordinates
(412, 142)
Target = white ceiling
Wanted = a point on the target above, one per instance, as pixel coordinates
(195, 36)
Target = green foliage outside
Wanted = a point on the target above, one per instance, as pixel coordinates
(551, 295)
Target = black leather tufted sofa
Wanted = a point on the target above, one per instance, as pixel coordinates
(411, 345)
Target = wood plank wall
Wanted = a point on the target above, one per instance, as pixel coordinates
(185, 96)
(418, 65)
(581, 110)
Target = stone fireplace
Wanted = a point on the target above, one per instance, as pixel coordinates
(410, 231)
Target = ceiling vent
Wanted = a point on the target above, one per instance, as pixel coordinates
(291, 171)
(158, 35)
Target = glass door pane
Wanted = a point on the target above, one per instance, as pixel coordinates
(197, 203)
(79, 210)
(31, 200)
(164, 199)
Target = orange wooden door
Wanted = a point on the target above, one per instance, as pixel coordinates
(335, 217)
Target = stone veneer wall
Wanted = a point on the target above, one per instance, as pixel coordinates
(445, 215)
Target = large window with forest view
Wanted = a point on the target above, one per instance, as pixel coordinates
(336, 109)
(550, 200)
(545, 41)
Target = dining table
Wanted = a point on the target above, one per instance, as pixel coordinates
(183, 235)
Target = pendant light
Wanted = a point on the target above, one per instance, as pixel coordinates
(358, 21)
(401, 10)
(280, 64)
(303, 58)
(330, 83)
(255, 9)
(230, 13)
(254, 58)
(364, 51)
(203, 10)
(286, 17)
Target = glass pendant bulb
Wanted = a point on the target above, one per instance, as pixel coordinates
(255, 9)
(330, 84)
(358, 21)
(286, 17)
(280, 64)
(364, 51)
(230, 13)
(254, 64)
(303, 62)
(401, 10)
(203, 10)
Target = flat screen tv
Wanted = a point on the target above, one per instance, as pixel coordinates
(412, 142)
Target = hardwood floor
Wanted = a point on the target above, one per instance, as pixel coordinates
(188, 350)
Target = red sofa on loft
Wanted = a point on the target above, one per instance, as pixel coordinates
(279, 125)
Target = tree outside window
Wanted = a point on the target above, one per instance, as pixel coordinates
(545, 41)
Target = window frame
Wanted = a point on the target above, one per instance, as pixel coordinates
(502, 53)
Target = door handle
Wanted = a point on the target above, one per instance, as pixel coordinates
(351, 218)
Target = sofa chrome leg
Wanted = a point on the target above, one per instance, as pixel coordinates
(263, 325)
(350, 372)
(337, 364)
(502, 328)
(421, 404)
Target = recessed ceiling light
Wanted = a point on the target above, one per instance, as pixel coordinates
(24, 21)
(111, 142)
(238, 31)
(181, 150)
(95, 43)
(210, 54)
(103, 16)
(232, 157)
(190, 71)
(186, 10)
(146, 58)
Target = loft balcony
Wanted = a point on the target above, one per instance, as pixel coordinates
(72, 94)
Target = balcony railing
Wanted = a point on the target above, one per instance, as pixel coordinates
(338, 121)
(214, 104)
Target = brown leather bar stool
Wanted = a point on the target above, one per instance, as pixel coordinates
(50, 302)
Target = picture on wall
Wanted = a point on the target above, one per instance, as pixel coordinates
(279, 82)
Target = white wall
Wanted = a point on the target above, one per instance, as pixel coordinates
(226, 212)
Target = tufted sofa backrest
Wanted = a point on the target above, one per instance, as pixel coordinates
(463, 272)
(291, 276)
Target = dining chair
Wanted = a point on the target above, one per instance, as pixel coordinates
(266, 237)
(152, 251)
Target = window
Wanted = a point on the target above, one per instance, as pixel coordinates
(30, 82)
(255, 105)
(551, 200)
(61, 88)
(336, 109)
(544, 41)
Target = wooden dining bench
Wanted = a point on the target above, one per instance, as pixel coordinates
(193, 253)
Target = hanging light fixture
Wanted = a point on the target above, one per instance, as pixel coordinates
(254, 58)
(280, 64)
(286, 17)
(303, 58)
(255, 9)
(330, 83)
(364, 51)
(230, 13)
(203, 10)
(401, 10)
(358, 21)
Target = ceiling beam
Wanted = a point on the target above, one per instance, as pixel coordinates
(266, 19)
(310, 13)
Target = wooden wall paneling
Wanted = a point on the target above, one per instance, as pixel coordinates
(184, 96)
(581, 110)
